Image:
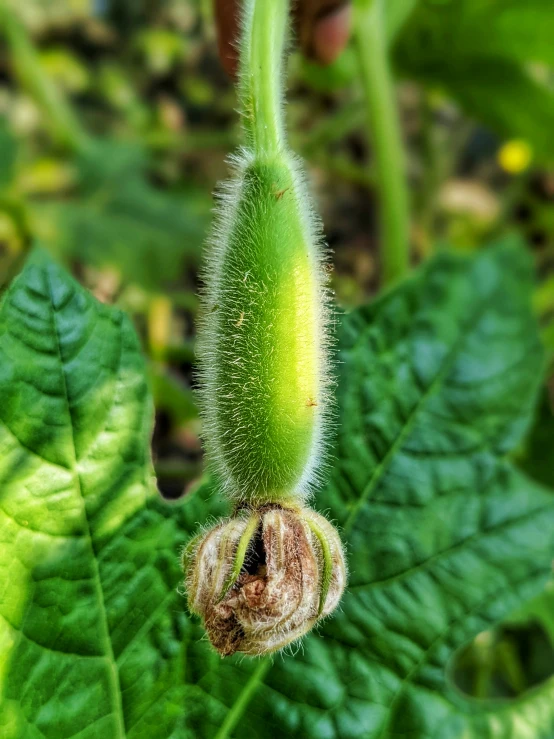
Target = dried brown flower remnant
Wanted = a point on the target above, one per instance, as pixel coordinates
(262, 581)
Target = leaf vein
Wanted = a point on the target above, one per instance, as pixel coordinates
(113, 673)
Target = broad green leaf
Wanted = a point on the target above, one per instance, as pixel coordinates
(480, 53)
(91, 624)
(502, 29)
(501, 95)
(445, 537)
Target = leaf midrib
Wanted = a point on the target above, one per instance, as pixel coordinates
(113, 673)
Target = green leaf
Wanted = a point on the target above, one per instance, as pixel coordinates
(437, 384)
(480, 53)
(91, 624)
(503, 96)
(445, 536)
(501, 29)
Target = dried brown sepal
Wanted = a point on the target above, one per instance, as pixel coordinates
(293, 574)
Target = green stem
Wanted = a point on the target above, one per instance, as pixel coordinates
(61, 119)
(371, 46)
(261, 60)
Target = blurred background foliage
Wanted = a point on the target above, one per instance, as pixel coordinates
(115, 119)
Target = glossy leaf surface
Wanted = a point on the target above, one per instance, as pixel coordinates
(437, 384)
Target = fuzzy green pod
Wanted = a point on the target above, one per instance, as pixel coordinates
(263, 334)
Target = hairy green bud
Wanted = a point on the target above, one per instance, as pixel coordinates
(263, 339)
(263, 580)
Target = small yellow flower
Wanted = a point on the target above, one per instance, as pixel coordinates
(515, 156)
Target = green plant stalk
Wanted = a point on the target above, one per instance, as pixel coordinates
(382, 113)
(260, 75)
(60, 118)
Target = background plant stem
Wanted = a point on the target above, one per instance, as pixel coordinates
(371, 47)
